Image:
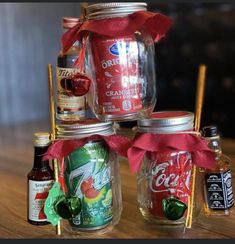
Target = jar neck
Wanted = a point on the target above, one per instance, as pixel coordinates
(214, 144)
(38, 155)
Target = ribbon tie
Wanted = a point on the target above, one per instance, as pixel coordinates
(63, 148)
(156, 24)
(202, 155)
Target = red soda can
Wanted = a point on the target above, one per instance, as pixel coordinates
(118, 83)
(170, 176)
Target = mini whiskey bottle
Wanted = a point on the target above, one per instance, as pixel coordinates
(40, 180)
(218, 192)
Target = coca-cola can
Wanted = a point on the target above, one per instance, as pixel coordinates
(169, 175)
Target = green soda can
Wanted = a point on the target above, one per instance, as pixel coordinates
(88, 177)
(92, 174)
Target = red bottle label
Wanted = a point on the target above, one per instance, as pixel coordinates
(117, 74)
(170, 176)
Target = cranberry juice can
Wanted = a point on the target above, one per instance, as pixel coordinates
(117, 73)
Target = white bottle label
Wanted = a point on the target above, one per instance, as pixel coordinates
(38, 192)
(66, 99)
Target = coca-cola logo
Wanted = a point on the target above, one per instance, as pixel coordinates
(119, 48)
(172, 175)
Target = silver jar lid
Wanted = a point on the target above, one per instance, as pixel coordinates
(167, 122)
(83, 128)
(113, 9)
(41, 139)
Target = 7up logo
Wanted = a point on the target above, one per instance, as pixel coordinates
(91, 182)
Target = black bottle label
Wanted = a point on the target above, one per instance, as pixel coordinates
(219, 190)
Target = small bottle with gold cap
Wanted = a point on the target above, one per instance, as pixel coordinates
(70, 104)
(40, 180)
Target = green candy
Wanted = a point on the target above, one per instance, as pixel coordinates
(55, 194)
(58, 206)
(173, 208)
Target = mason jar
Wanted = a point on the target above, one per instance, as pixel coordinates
(122, 68)
(91, 173)
(164, 178)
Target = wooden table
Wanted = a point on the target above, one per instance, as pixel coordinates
(16, 158)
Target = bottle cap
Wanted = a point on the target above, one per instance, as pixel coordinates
(41, 139)
(210, 131)
(69, 22)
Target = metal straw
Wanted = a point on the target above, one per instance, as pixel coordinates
(198, 111)
(52, 116)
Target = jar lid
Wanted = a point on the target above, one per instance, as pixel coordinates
(167, 122)
(41, 139)
(113, 9)
(83, 128)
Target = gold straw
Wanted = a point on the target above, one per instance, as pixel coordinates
(52, 115)
(198, 111)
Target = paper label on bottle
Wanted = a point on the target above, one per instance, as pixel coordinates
(38, 192)
(67, 100)
(219, 190)
(119, 85)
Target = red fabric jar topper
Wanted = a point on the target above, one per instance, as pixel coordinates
(156, 24)
(202, 155)
(63, 148)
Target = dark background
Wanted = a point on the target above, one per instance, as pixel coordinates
(202, 33)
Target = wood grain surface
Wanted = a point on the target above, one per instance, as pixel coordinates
(16, 158)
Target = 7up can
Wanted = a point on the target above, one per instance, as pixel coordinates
(88, 175)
